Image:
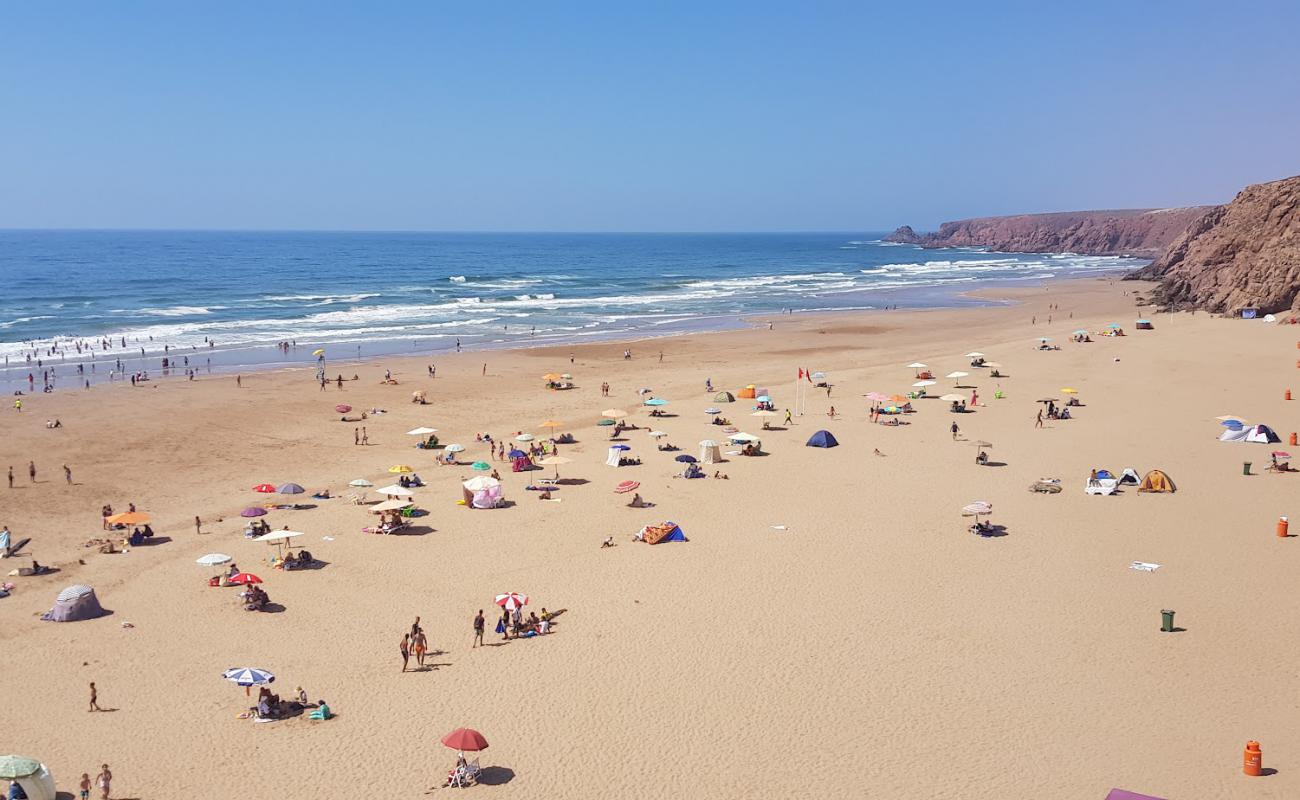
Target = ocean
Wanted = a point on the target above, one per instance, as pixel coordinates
(224, 299)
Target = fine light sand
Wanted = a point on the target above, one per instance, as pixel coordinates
(872, 649)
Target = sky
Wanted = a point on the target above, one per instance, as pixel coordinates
(636, 116)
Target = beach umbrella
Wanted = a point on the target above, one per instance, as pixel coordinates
(605, 422)
(465, 739)
(343, 408)
(244, 578)
(898, 398)
(566, 376)
(525, 437)
(620, 447)
(973, 354)
(274, 536)
(613, 413)
(398, 469)
(264, 488)
(923, 384)
(320, 351)
(291, 488)
(817, 376)
(763, 399)
(656, 401)
(1068, 390)
(1235, 424)
(550, 423)
(708, 443)
(421, 431)
(712, 410)
(917, 365)
(981, 443)
(1227, 417)
(1080, 332)
(248, 676)
(1048, 400)
(764, 413)
(1281, 455)
(253, 511)
(627, 486)
(512, 600)
(361, 483)
(686, 459)
(129, 518)
(977, 509)
(480, 482)
(481, 466)
(957, 375)
(743, 437)
(1113, 326)
(657, 434)
(391, 505)
(455, 448)
(555, 461)
(213, 560)
(550, 376)
(395, 491)
(952, 398)
(15, 767)
(876, 397)
(514, 453)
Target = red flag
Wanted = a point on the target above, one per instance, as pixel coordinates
(808, 375)
(801, 373)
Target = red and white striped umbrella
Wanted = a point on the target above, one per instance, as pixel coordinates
(512, 600)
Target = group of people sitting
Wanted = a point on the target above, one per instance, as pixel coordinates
(389, 522)
(139, 535)
(1058, 413)
(667, 447)
(254, 598)
(629, 461)
(750, 449)
(984, 528)
(257, 527)
(301, 560)
(410, 481)
(982, 458)
(958, 407)
(428, 444)
(1081, 338)
(720, 420)
(272, 706)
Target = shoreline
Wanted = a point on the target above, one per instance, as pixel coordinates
(269, 357)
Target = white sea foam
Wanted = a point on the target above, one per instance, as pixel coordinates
(457, 279)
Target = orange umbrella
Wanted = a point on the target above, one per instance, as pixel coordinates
(551, 423)
(129, 518)
(898, 398)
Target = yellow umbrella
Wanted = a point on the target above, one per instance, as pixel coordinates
(129, 518)
(1068, 390)
(550, 376)
(551, 423)
(398, 468)
(319, 352)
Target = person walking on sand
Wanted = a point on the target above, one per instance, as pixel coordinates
(405, 647)
(84, 786)
(478, 630)
(788, 418)
(954, 430)
(356, 436)
(239, 381)
(104, 780)
(485, 370)
(67, 474)
(365, 436)
(419, 645)
(31, 470)
(831, 413)
(1038, 423)
(94, 698)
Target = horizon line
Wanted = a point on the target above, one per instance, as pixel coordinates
(447, 231)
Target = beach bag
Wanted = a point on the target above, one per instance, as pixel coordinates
(501, 626)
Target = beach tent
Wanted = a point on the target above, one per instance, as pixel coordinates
(747, 393)
(1144, 325)
(1129, 477)
(1234, 434)
(33, 776)
(73, 604)
(1124, 794)
(822, 439)
(615, 453)
(667, 532)
(1261, 434)
(1156, 481)
(724, 397)
(483, 491)
(710, 452)
(522, 463)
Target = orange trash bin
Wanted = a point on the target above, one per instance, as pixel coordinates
(1253, 759)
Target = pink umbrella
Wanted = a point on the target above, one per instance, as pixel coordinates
(627, 486)
(343, 408)
(465, 739)
(512, 600)
(877, 397)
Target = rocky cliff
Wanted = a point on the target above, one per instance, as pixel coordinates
(1136, 232)
(1245, 254)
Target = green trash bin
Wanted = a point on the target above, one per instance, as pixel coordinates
(1245, 468)
(1166, 621)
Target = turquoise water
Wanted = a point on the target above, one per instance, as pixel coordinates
(231, 296)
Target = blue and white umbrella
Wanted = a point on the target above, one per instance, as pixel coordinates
(620, 447)
(656, 401)
(248, 676)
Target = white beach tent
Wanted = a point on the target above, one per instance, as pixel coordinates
(710, 452)
(1260, 434)
(615, 453)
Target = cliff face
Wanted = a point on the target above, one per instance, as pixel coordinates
(1245, 254)
(1135, 232)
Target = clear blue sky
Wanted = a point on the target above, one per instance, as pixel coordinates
(595, 116)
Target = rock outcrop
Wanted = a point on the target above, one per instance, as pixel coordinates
(1245, 254)
(1134, 232)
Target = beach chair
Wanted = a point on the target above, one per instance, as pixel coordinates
(469, 773)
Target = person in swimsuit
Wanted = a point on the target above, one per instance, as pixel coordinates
(478, 629)
(420, 645)
(405, 647)
(104, 781)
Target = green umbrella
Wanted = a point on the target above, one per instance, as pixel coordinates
(605, 422)
(482, 466)
(14, 767)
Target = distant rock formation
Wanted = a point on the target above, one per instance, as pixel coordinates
(1134, 232)
(1245, 254)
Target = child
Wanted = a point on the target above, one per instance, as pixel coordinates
(85, 786)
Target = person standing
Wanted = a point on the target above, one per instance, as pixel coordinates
(503, 625)
(104, 780)
(478, 629)
(485, 370)
(239, 381)
(420, 645)
(31, 470)
(84, 786)
(67, 474)
(365, 436)
(356, 436)
(11, 476)
(405, 647)
(198, 525)
(954, 430)
(94, 698)
(1039, 422)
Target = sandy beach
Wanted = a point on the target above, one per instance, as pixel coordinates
(831, 629)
